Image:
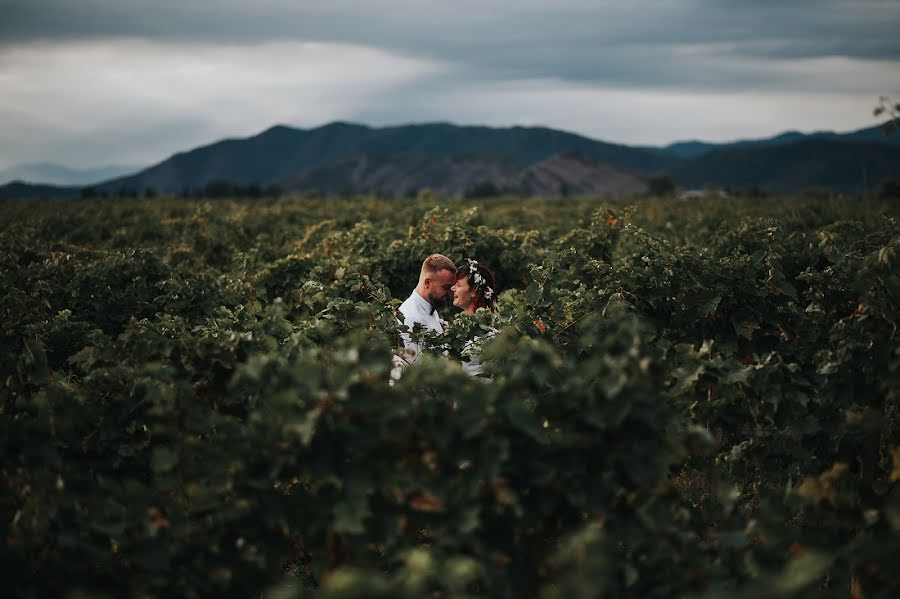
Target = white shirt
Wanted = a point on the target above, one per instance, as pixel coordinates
(416, 309)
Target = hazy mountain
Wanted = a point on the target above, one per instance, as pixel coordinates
(404, 174)
(694, 148)
(56, 174)
(576, 175)
(470, 174)
(298, 156)
(790, 167)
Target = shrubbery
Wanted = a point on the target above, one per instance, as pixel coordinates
(196, 400)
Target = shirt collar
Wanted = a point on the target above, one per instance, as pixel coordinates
(422, 303)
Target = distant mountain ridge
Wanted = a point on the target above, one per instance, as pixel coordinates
(695, 148)
(46, 173)
(465, 160)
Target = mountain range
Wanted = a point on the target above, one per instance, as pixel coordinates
(473, 160)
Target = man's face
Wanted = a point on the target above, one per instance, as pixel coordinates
(439, 285)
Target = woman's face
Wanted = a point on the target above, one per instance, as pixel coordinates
(463, 294)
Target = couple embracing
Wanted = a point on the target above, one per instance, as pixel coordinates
(469, 286)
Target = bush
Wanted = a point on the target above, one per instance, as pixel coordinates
(685, 399)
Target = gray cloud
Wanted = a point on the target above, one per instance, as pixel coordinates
(99, 81)
(629, 43)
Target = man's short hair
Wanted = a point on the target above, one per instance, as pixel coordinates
(436, 262)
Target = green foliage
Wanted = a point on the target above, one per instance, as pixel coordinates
(681, 399)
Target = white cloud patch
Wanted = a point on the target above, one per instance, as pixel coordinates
(134, 101)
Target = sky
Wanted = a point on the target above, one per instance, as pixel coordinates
(88, 83)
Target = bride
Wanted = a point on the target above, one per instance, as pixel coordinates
(475, 288)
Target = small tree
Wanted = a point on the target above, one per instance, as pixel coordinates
(892, 111)
(660, 186)
(754, 191)
(888, 189)
(483, 189)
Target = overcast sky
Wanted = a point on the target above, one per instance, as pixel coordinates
(96, 82)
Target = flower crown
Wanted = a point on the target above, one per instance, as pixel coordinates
(479, 284)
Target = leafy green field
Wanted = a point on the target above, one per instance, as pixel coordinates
(688, 398)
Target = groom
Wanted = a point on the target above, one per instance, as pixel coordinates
(437, 276)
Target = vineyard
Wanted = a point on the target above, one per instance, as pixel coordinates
(686, 398)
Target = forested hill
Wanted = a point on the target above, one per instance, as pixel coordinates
(22, 190)
(838, 165)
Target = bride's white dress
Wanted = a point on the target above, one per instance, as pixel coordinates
(471, 354)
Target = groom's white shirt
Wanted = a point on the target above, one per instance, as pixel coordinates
(416, 309)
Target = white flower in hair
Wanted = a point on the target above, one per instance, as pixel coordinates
(478, 278)
(488, 292)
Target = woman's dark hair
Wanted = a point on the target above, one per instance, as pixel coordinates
(481, 279)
